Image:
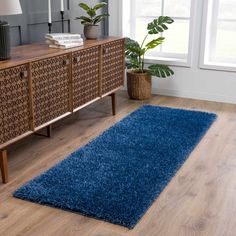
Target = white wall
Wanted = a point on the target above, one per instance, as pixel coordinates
(190, 82)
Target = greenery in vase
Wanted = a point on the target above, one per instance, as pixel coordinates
(135, 53)
(92, 18)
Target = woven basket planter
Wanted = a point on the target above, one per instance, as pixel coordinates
(139, 85)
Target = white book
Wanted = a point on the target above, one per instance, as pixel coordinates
(66, 46)
(62, 36)
(50, 42)
(64, 42)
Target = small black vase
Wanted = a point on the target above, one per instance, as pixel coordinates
(5, 42)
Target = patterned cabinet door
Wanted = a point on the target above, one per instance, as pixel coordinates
(50, 88)
(112, 66)
(15, 115)
(1, 119)
(85, 76)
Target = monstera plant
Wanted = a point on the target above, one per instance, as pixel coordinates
(139, 77)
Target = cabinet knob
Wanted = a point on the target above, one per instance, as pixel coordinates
(76, 59)
(66, 62)
(24, 74)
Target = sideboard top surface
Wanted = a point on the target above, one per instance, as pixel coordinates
(33, 52)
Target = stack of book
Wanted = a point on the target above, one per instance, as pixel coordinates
(64, 40)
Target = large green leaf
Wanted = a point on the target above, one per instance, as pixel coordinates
(132, 63)
(134, 50)
(132, 46)
(99, 6)
(165, 20)
(99, 18)
(159, 25)
(132, 53)
(131, 42)
(91, 13)
(161, 71)
(154, 43)
(84, 6)
(85, 19)
(132, 60)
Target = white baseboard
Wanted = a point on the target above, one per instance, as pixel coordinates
(193, 95)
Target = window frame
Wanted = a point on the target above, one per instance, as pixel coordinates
(172, 58)
(206, 34)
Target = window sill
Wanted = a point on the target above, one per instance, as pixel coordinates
(168, 61)
(228, 67)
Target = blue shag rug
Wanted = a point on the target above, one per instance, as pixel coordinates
(118, 175)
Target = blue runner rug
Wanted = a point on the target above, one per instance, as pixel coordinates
(118, 175)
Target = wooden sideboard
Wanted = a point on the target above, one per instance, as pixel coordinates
(39, 86)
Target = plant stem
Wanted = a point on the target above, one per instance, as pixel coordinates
(143, 63)
(144, 41)
(141, 60)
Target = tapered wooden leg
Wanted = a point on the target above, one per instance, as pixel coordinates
(4, 166)
(113, 101)
(49, 131)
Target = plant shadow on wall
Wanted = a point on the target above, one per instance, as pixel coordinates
(91, 21)
(139, 78)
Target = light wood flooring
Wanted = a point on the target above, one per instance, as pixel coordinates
(200, 199)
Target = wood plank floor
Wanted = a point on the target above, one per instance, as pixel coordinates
(200, 199)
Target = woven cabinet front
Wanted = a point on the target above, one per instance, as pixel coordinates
(15, 113)
(85, 76)
(50, 88)
(112, 66)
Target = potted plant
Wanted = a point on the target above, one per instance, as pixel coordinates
(90, 22)
(139, 78)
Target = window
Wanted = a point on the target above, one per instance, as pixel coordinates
(138, 13)
(220, 33)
